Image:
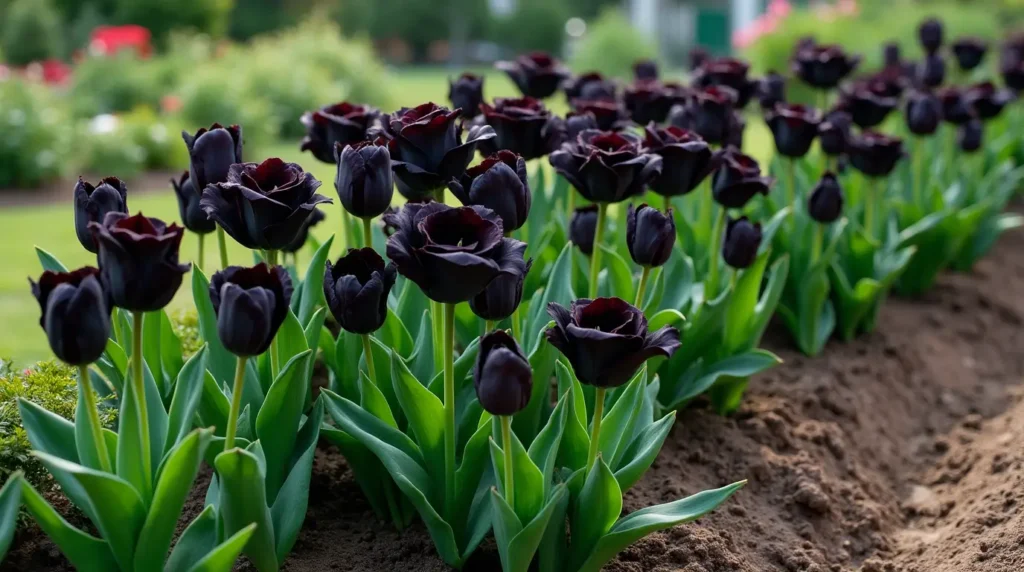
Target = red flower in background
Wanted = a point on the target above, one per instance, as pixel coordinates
(108, 40)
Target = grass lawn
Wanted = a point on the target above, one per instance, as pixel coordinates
(52, 226)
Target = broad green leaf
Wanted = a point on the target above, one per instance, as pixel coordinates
(88, 451)
(395, 335)
(10, 502)
(243, 501)
(278, 420)
(347, 350)
(421, 363)
(506, 526)
(425, 413)
(769, 301)
(130, 458)
(575, 445)
(213, 405)
(521, 543)
(544, 449)
(558, 289)
(313, 284)
(198, 539)
(85, 552)
(223, 557)
(373, 401)
(151, 350)
(741, 302)
(619, 277)
(463, 364)
(289, 508)
(412, 302)
(617, 424)
(290, 341)
(49, 261)
(313, 329)
(594, 513)
(188, 390)
(740, 365)
(642, 451)
(527, 478)
(170, 348)
(469, 473)
(667, 317)
(527, 422)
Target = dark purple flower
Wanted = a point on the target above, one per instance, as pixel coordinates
(686, 159)
(356, 289)
(891, 54)
(930, 33)
(606, 340)
(609, 114)
(536, 74)
(697, 57)
(192, 215)
(931, 71)
(969, 52)
(826, 202)
(741, 241)
(606, 167)
(650, 235)
(363, 178)
(709, 114)
(727, 72)
(502, 376)
(955, 109)
(300, 240)
(645, 70)
(502, 296)
(969, 136)
(500, 184)
(75, 314)
(651, 100)
(986, 99)
(583, 227)
(591, 86)
(211, 153)
(794, 128)
(522, 125)
(250, 304)
(771, 90)
(93, 203)
(823, 66)
(738, 179)
(868, 103)
(875, 154)
(338, 124)
(923, 113)
(834, 132)
(466, 94)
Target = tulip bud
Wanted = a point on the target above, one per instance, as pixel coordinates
(211, 153)
(954, 106)
(364, 181)
(969, 52)
(930, 35)
(738, 180)
(875, 154)
(826, 201)
(742, 239)
(341, 123)
(923, 113)
(536, 74)
(697, 58)
(771, 90)
(356, 289)
(650, 235)
(709, 114)
(969, 136)
(582, 228)
(466, 94)
(644, 70)
(500, 184)
(503, 295)
(932, 71)
(869, 103)
(834, 132)
(591, 86)
(891, 54)
(250, 304)
(192, 215)
(502, 375)
(93, 203)
(76, 314)
(794, 128)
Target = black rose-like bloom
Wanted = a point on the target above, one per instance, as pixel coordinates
(521, 125)
(969, 52)
(650, 101)
(356, 289)
(931, 71)
(138, 258)
(1012, 70)
(868, 103)
(250, 304)
(823, 66)
(211, 153)
(427, 149)
(930, 33)
(591, 86)
(826, 202)
(75, 314)
(300, 240)
(697, 57)
(466, 94)
(452, 254)
(500, 184)
(363, 180)
(574, 124)
(742, 239)
(263, 206)
(969, 136)
(891, 56)
(875, 154)
(502, 296)
(686, 159)
(834, 132)
(192, 215)
(728, 72)
(606, 167)
(954, 106)
(502, 376)
(771, 90)
(342, 124)
(650, 235)
(644, 70)
(923, 113)
(709, 114)
(738, 179)
(794, 128)
(606, 340)
(582, 228)
(92, 203)
(987, 100)
(536, 74)
(609, 113)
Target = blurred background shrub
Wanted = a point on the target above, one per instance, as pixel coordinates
(612, 45)
(34, 134)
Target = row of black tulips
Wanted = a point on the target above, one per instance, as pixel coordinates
(414, 432)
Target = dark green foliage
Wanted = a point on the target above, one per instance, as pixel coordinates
(30, 30)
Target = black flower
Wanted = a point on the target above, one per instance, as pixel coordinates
(929, 33)
(502, 376)
(771, 90)
(314, 219)
(356, 289)
(823, 66)
(686, 159)
(644, 70)
(738, 179)
(868, 103)
(192, 215)
(251, 304)
(834, 132)
(606, 167)
(931, 72)
(364, 181)
(211, 153)
(875, 154)
(609, 113)
(500, 184)
(826, 202)
(606, 340)
(138, 258)
(650, 101)
(339, 124)
(891, 55)
(521, 125)
(955, 109)
(987, 100)
(451, 253)
(794, 128)
(709, 114)
(466, 94)
(93, 203)
(591, 86)
(536, 74)
(502, 296)
(923, 113)
(969, 52)
(427, 149)
(742, 239)
(697, 57)
(727, 72)
(574, 124)
(650, 235)
(264, 205)
(969, 136)
(75, 314)
(582, 228)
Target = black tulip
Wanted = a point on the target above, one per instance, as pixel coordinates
(727, 72)
(709, 114)
(338, 124)
(364, 181)
(875, 154)
(986, 100)
(738, 180)
(502, 376)
(576, 123)
(891, 54)
(75, 314)
(192, 215)
(771, 90)
(650, 235)
(582, 228)
(523, 125)
(923, 113)
(650, 101)
(930, 33)
(826, 202)
(356, 289)
(536, 74)
(500, 184)
(734, 130)
(610, 114)
(969, 136)
(591, 86)
(212, 152)
(834, 132)
(794, 127)
(466, 94)
(1013, 74)
(644, 70)
(138, 259)
(823, 66)
(314, 219)
(502, 296)
(868, 103)
(742, 239)
(954, 106)
(606, 167)
(686, 159)
(250, 304)
(932, 71)
(969, 52)
(697, 57)
(92, 203)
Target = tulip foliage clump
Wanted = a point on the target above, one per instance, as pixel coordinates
(511, 362)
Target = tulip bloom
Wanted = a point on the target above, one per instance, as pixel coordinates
(738, 180)
(794, 128)
(868, 103)
(834, 132)
(356, 289)
(824, 66)
(250, 304)
(650, 101)
(93, 203)
(536, 74)
(686, 159)
(606, 167)
(192, 215)
(969, 52)
(500, 184)
(211, 153)
(955, 109)
(339, 124)
(969, 136)
(466, 94)
(727, 72)
(582, 227)
(986, 100)
(502, 375)
(875, 154)
(932, 71)
(825, 204)
(523, 126)
(645, 70)
(930, 35)
(650, 235)
(75, 314)
(709, 114)
(364, 181)
(923, 113)
(609, 114)
(742, 239)
(590, 86)
(501, 298)
(771, 89)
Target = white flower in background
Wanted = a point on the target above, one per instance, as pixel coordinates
(104, 123)
(16, 117)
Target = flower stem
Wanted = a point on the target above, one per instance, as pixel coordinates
(570, 204)
(506, 445)
(791, 190)
(93, 417)
(817, 242)
(595, 258)
(222, 244)
(371, 369)
(714, 253)
(919, 173)
(640, 289)
(140, 395)
(202, 243)
(449, 409)
(668, 204)
(489, 326)
(368, 232)
(869, 207)
(236, 403)
(437, 331)
(595, 431)
(275, 361)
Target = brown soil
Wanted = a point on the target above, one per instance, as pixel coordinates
(895, 453)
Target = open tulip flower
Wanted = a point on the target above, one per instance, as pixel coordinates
(341, 124)
(536, 74)
(192, 214)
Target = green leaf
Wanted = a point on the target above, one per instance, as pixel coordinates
(651, 519)
(130, 463)
(506, 526)
(594, 513)
(467, 476)
(425, 413)
(421, 363)
(172, 487)
(369, 473)
(151, 350)
(736, 366)
(120, 512)
(170, 348)
(88, 452)
(741, 302)
(85, 552)
(527, 422)
(575, 445)
(346, 355)
(10, 501)
(223, 557)
(49, 261)
(313, 329)
(243, 501)
(213, 405)
(198, 539)
(667, 317)
(619, 276)
(395, 335)
(544, 449)
(559, 289)
(517, 545)
(313, 284)
(617, 424)
(188, 390)
(221, 361)
(289, 508)
(278, 420)
(290, 341)
(642, 451)
(412, 302)
(527, 478)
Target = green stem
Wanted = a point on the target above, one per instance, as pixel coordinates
(199, 258)
(140, 395)
(791, 189)
(437, 331)
(668, 204)
(371, 369)
(368, 232)
(714, 253)
(570, 204)
(595, 258)
(449, 409)
(222, 244)
(489, 326)
(506, 444)
(93, 417)
(816, 243)
(919, 173)
(517, 328)
(734, 275)
(869, 207)
(644, 275)
(595, 431)
(440, 195)
(275, 361)
(236, 403)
